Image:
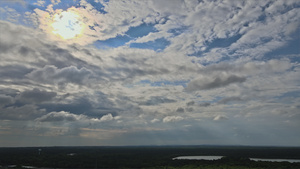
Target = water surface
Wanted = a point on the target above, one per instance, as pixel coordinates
(198, 158)
(276, 160)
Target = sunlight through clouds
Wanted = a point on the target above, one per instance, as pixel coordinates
(67, 25)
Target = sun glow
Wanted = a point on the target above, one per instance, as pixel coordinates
(67, 25)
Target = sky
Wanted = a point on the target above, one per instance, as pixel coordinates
(149, 72)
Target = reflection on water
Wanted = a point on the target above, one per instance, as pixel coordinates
(276, 160)
(219, 157)
(198, 158)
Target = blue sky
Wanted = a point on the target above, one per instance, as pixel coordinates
(155, 72)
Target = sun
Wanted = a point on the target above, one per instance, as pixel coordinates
(67, 25)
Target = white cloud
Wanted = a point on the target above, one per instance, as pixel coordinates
(155, 120)
(220, 117)
(107, 117)
(55, 2)
(39, 3)
(60, 116)
(168, 119)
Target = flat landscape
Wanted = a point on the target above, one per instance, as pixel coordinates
(153, 84)
(147, 157)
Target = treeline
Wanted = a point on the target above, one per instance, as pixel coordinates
(147, 157)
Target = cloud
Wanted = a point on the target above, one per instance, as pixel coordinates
(55, 2)
(60, 116)
(99, 25)
(5, 100)
(211, 82)
(154, 100)
(220, 117)
(168, 119)
(51, 74)
(36, 96)
(155, 120)
(204, 104)
(93, 105)
(21, 113)
(252, 67)
(39, 3)
(190, 103)
(229, 99)
(180, 110)
(10, 32)
(107, 117)
(17, 1)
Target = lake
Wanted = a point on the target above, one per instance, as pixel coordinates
(276, 160)
(198, 158)
(219, 157)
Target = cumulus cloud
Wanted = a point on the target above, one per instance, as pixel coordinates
(220, 117)
(60, 116)
(107, 117)
(155, 120)
(168, 119)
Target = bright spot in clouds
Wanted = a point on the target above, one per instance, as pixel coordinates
(67, 25)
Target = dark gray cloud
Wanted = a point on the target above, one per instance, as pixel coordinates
(83, 105)
(63, 57)
(206, 104)
(5, 100)
(190, 103)
(25, 112)
(15, 71)
(180, 110)
(51, 74)
(189, 109)
(36, 96)
(205, 83)
(230, 99)
(130, 72)
(155, 100)
(9, 91)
